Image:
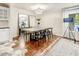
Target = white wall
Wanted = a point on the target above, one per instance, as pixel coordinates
(33, 22)
(53, 19)
(13, 21)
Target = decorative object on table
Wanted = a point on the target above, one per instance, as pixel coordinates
(38, 21)
(69, 20)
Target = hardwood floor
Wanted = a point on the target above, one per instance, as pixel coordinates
(35, 50)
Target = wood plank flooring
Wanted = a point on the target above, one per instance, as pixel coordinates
(35, 50)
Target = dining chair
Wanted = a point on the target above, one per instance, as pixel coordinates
(49, 33)
(43, 37)
(34, 39)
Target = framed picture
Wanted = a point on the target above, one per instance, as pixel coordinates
(23, 21)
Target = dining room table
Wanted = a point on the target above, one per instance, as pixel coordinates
(28, 31)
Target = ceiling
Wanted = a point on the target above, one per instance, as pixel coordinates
(49, 5)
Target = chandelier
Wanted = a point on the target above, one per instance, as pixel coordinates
(39, 9)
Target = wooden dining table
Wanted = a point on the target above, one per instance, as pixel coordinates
(28, 31)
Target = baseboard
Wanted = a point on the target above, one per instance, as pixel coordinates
(70, 39)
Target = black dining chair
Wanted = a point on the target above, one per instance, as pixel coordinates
(34, 37)
(49, 33)
(43, 37)
(38, 37)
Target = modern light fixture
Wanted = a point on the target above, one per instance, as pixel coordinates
(39, 8)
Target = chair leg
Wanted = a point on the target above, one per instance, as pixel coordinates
(44, 40)
(52, 33)
(36, 44)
